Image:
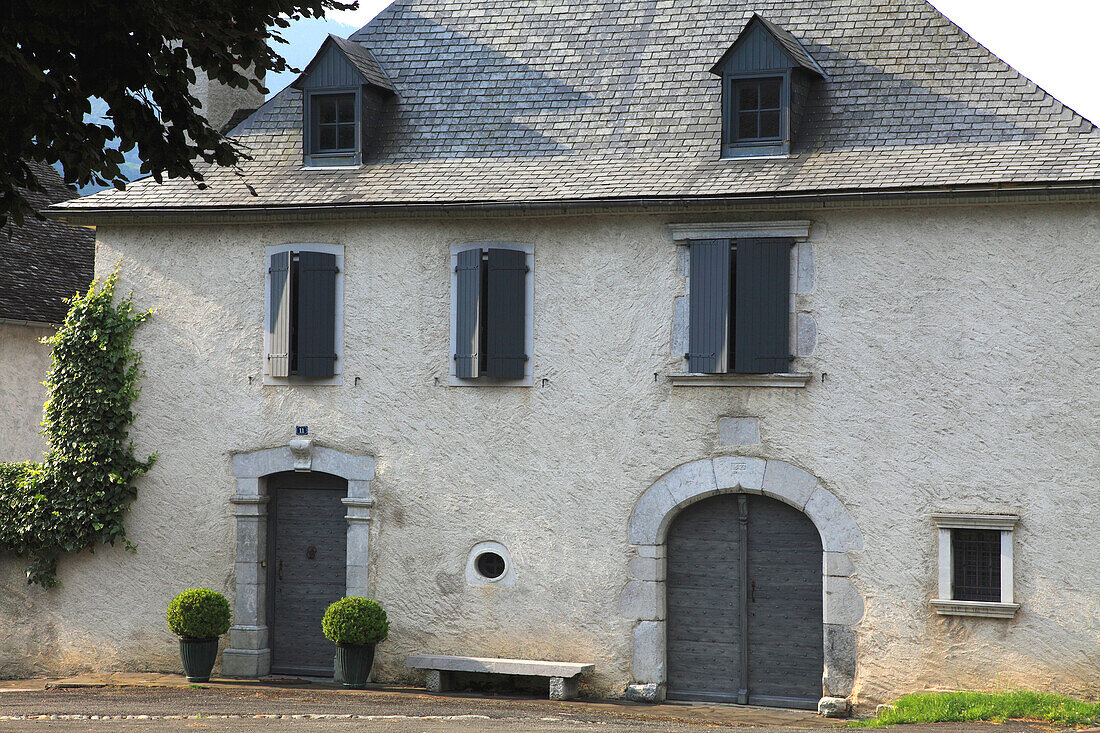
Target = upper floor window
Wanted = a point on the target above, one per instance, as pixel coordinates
(334, 123)
(766, 77)
(345, 94)
(739, 304)
(738, 323)
(491, 314)
(303, 338)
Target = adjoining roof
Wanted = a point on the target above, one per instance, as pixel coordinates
(523, 102)
(359, 57)
(43, 262)
(799, 56)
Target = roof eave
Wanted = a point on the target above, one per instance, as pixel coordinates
(1038, 192)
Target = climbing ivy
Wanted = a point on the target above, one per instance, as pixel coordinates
(77, 496)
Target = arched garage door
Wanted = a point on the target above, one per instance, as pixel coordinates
(744, 603)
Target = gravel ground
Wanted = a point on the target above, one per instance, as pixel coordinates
(236, 708)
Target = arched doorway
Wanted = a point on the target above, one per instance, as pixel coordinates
(260, 476)
(744, 603)
(644, 599)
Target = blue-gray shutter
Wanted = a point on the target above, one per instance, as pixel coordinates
(316, 345)
(762, 306)
(278, 341)
(505, 308)
(468, 313)
(709, 304)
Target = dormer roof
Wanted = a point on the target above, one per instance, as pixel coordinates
(761, 45)
(338, 61)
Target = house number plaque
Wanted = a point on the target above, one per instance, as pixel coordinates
(301, 430)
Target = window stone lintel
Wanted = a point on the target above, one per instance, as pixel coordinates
(799, 230)
(951, 520)
(975, 608)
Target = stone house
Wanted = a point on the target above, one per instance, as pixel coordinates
(42, 263)
(744, 350)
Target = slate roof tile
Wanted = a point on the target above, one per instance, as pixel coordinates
(44, 262)
(521, 101)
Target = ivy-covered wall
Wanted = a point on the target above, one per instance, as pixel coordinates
(77, 496)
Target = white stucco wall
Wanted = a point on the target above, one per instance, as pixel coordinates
(959, 346)
(24, 363)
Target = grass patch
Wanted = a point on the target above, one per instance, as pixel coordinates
(951, 707)
(193, 686)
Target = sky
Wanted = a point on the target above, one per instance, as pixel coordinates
(1051, 42)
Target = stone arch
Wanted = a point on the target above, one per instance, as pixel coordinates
(249, 651)
(643, 598)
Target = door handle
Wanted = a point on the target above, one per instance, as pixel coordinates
(752, 598)
(280, 571)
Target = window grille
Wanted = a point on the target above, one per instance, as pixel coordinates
(977, 571)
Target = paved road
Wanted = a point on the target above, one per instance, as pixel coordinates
(324, 710)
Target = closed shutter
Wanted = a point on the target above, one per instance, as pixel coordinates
(278, 342)
(708, 332)
(762, 306)
(316, 314)
(468, 313)
(505, 313)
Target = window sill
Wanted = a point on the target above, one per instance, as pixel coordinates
(681, 379)
(334, 381)
(527, 381)
(975, 608)
(756, 156)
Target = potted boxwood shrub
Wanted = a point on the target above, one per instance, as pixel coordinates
(198, 616)
(355, 625)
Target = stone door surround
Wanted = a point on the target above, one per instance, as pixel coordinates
(249, 651)
(643, 598)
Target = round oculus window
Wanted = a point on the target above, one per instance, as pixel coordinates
(490, 565)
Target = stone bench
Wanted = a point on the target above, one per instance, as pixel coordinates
(563, 675)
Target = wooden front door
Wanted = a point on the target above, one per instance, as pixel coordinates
(307, 569)
(744, 603)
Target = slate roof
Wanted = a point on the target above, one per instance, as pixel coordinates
(523, 101)
(43, 262)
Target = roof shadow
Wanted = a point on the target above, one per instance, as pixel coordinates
(492, 108)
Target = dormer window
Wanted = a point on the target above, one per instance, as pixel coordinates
(345, 95)
(333, 123)
(757, 109)
(766, 77)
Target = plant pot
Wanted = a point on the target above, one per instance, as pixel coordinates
(353, 663)
(198, 657)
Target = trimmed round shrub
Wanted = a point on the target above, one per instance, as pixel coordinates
(199, 613)
(355, 621)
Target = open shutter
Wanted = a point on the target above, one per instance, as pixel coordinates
(468, 313)
(278, 341)
(708, 332)
(505, 312)
(762, 306)
(316, 314)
